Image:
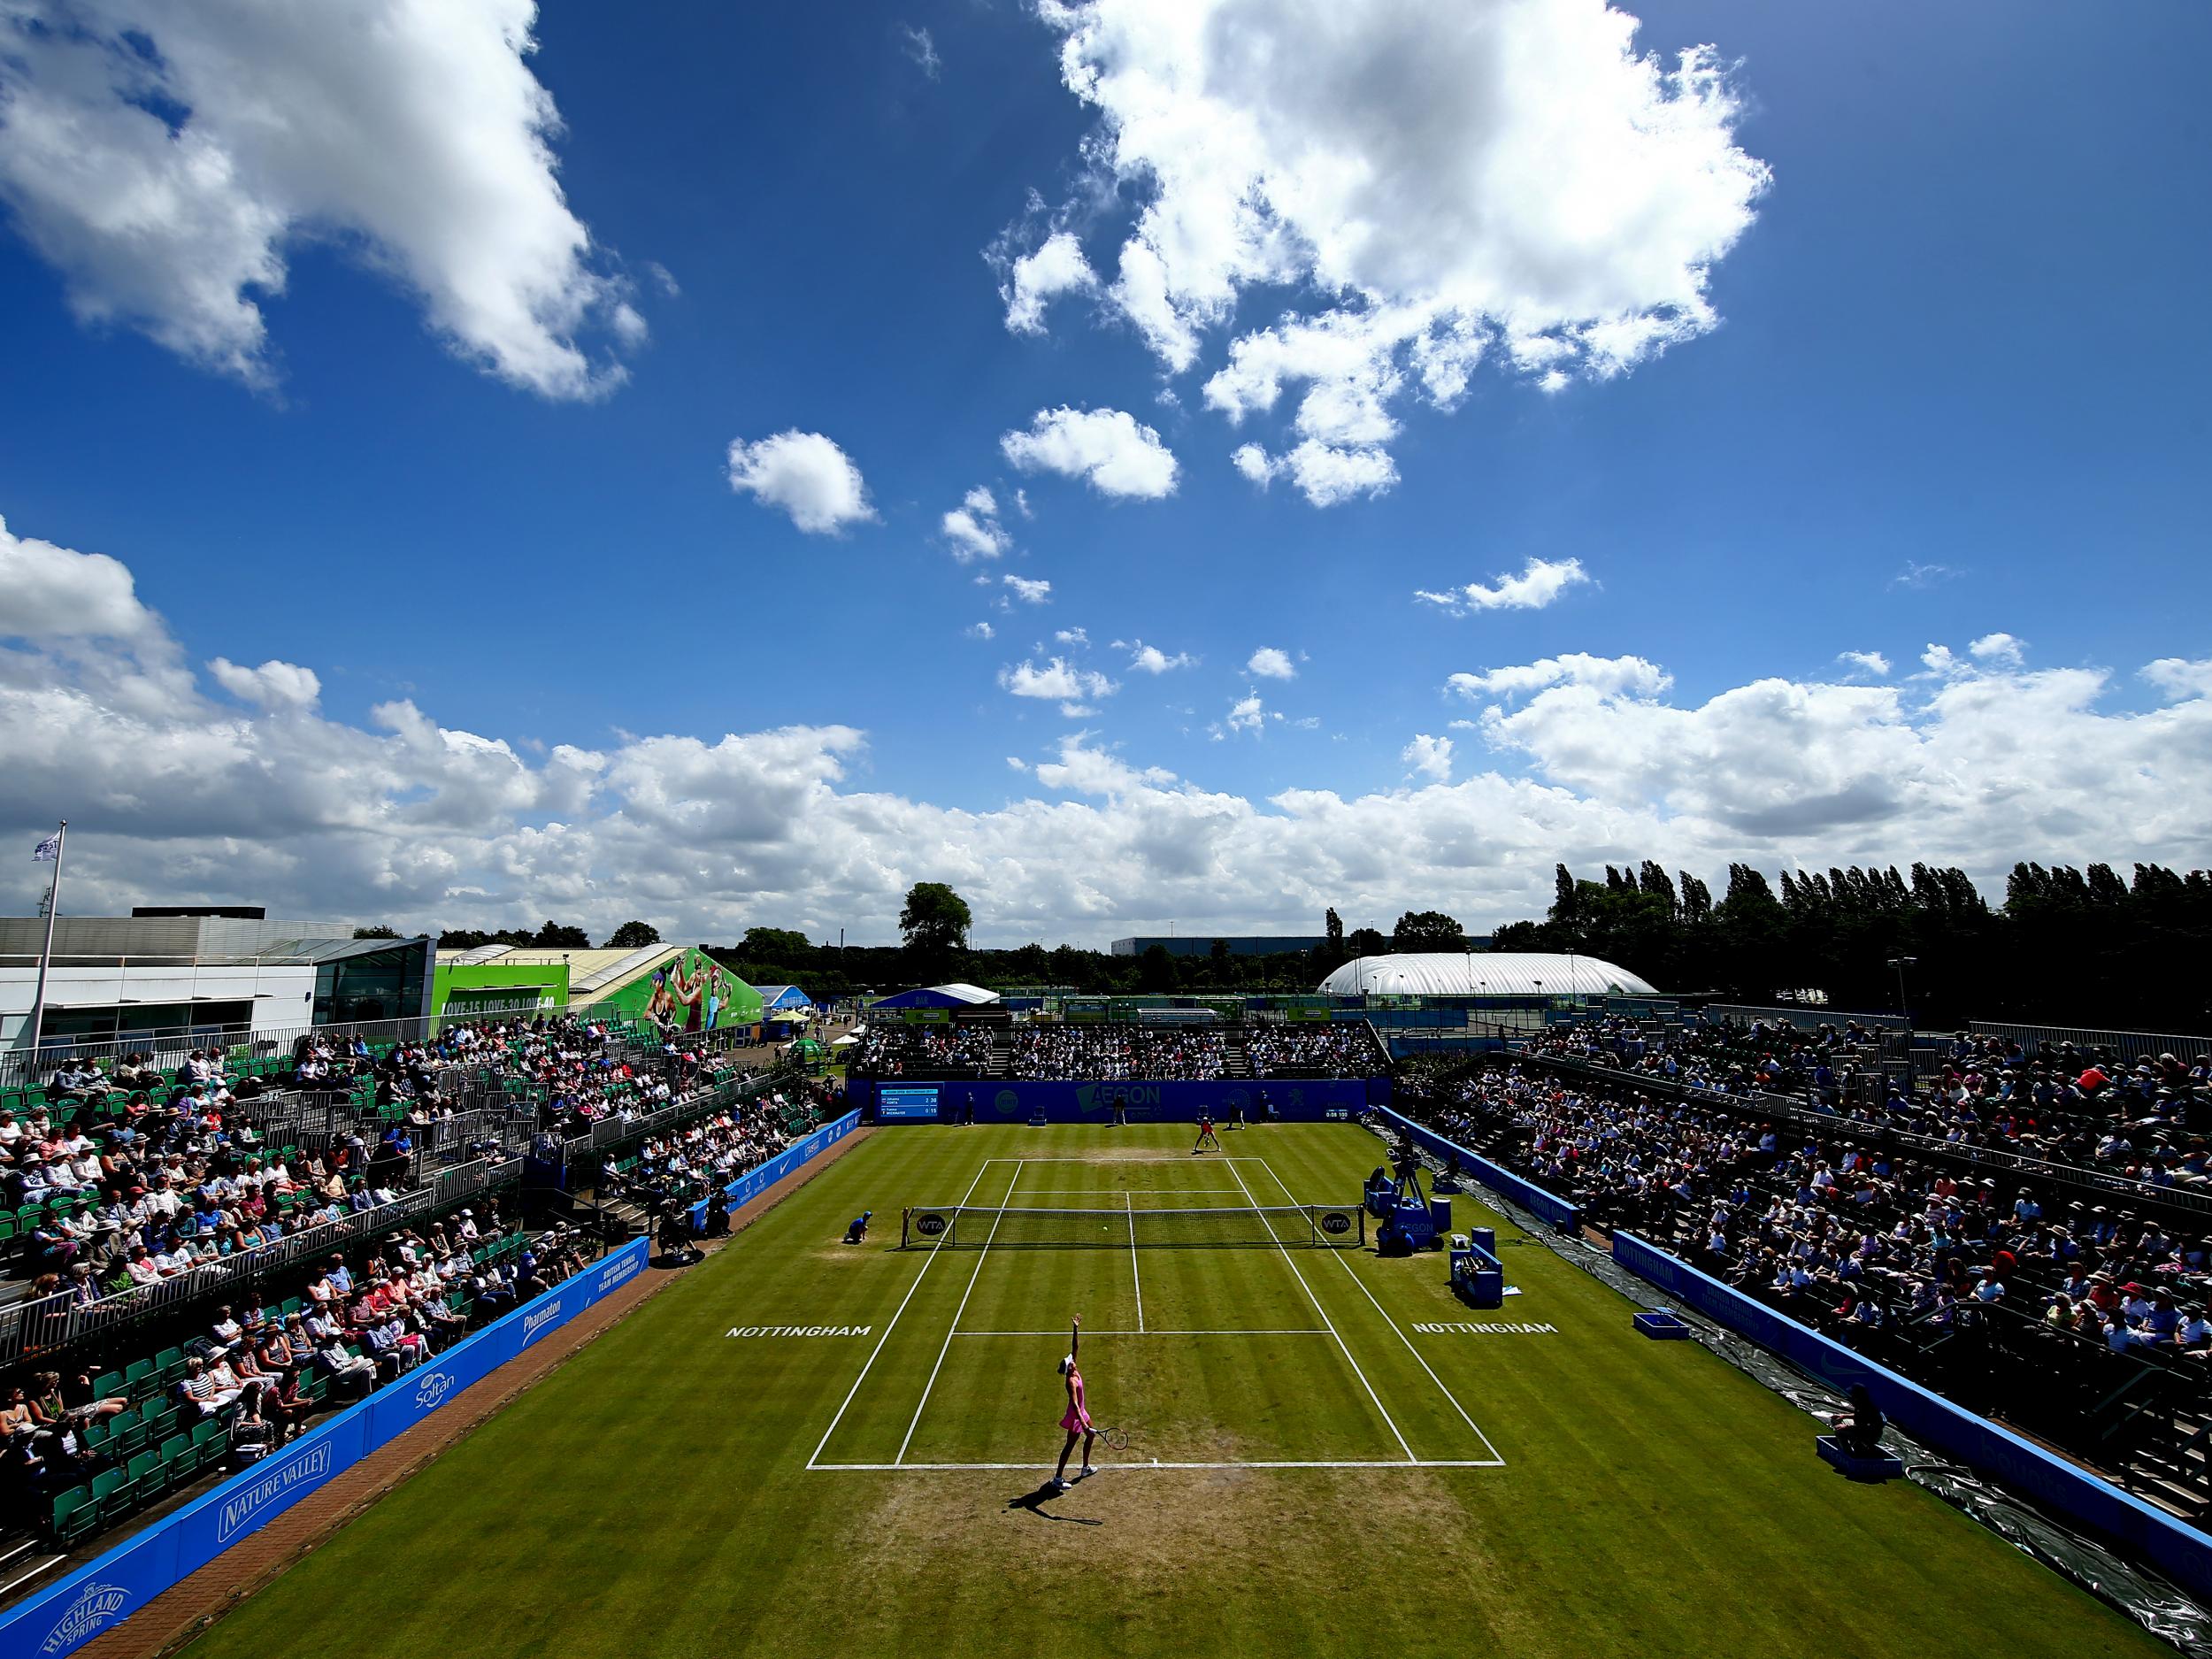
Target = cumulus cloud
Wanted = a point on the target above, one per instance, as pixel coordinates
(275, 685)
(168, 159)
(1030, 282)
(1999, 648)
(1078, 637)
(1270, 662)
(1608, 676)
(806, 475)
(973, 529)
(981, 631)
(1374, 156)
(173, 794)
(2177, 677)
(1118, 456)
(1151, 659)
(1058, 680)
(1540, 583)
(1866, 661)
(1431, 757)
(1918, 575)
(1029, 591)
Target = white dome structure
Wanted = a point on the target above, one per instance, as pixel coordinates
(1496, 973)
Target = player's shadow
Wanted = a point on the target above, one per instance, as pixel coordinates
(1035, 1502)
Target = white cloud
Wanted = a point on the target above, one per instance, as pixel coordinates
(805, 474)
(1077, 637)
(1431, 757)
(981, 631)
(49, 592)
(2001, 649)
(1376, 155)
(1325, 474)
(921, 50)
(1082, 770)
(1918, 575)
(1151, 659)
(1606, 676)
(972, 530)
(1867, 662)
(1119, 455)
(1270, 662)
(174, 792)
(1058, 680)
(1029, 592)
(1540, 583)
(1247, 714)
(167, 159)
(275, 685)
(2175, 677)
(1033, 281)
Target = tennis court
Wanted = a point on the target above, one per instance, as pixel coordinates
(802, 1447)
(1223, 1327)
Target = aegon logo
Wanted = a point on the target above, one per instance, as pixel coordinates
(430, 1392)
(242, 1506)
(930, 1226)
(95, 1604)
(1128, 1094)
(1336, 1221)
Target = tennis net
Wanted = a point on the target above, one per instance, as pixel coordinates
(972, 1226)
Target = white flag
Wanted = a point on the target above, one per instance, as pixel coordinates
(50, 848)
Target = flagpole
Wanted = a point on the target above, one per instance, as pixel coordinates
(46, 956)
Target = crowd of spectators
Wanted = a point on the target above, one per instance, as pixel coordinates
(1313, 1050)
(1168, 1053)
(896, 1051)
(2146, 1120)
(680, 1167)
(254, 1366)
(1842, 1230)
(1071, 1053)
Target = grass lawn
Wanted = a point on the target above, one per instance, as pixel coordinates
(1307, 1471)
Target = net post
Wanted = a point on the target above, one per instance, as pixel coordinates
(906, 1221)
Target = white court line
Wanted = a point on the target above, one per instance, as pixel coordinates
(1136, 1276)
(1141, 1192)
(887, 1329)
(1324, 1312)
(1111, 1469)
(1151, 1332)
(981, 1256)
(1402, 1337)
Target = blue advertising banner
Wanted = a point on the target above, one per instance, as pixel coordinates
(110, 1589)
(1530, 1196)
(1297, 1100)
(2175, 1548)
(755, 1181)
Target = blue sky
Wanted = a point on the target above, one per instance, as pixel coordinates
(1959, 333)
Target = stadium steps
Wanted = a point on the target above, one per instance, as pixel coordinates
(1002, 1053)
(1236, 1058)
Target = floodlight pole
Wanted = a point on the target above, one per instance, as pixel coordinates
(46, 953)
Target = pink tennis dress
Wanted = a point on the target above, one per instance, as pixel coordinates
(1076, 1418)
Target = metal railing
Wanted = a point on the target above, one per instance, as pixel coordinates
(47, 1324)
(2128, 1045)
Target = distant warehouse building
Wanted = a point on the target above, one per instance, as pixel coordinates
(1203, 944)
(1240, 944)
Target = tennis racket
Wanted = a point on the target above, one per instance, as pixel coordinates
(1116, 1439)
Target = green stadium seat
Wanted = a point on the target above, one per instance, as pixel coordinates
(111, 1492)
(145, 1476)
(170, 1363)
(126, 1432)
(160, 1420)
(178, 1461)
(107, 1384)
(209, 1444)
(140, 1379)
(75, 1515)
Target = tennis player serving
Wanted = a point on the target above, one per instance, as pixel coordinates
(1076, 1421)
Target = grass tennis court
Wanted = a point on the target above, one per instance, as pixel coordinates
(1309, 1467)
